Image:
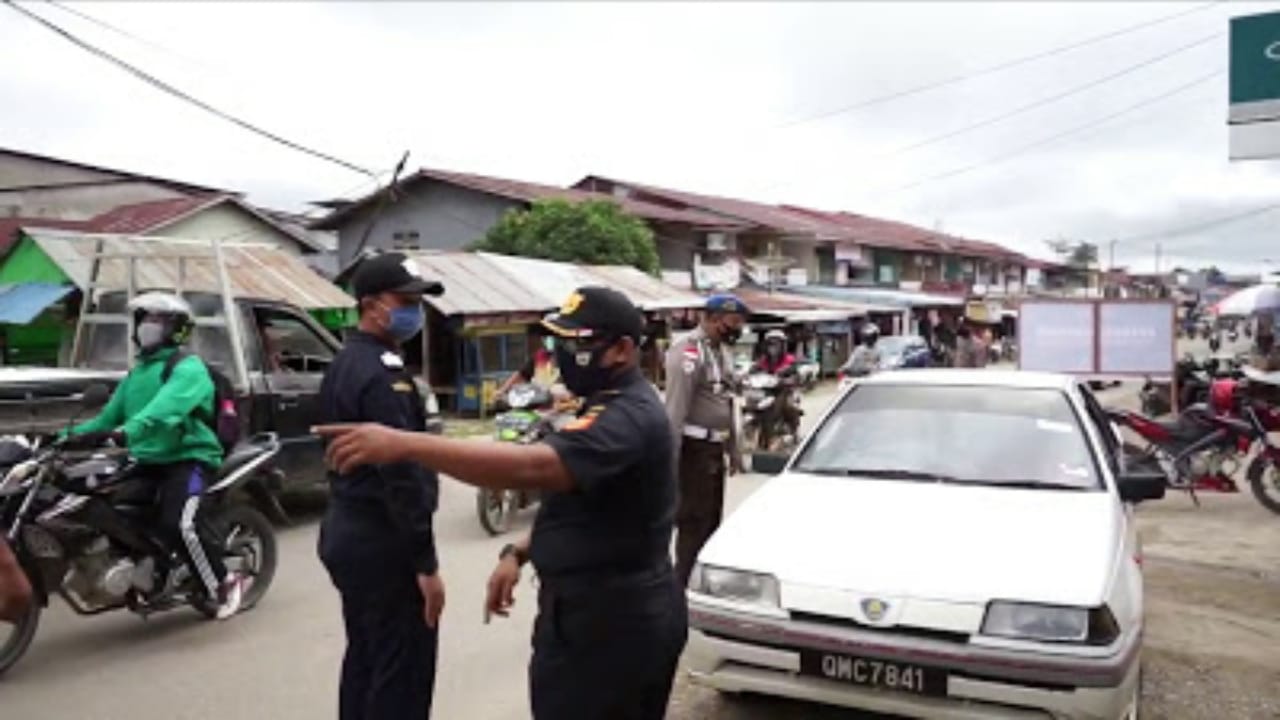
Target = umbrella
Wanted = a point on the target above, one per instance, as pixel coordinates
(1251, 300)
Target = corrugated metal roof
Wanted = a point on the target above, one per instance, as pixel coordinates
(884, 297)
(256, 271)
(529, 192)
(554, 281)
(20, 303)
(490, 284)
(805, 309)
(143, 216)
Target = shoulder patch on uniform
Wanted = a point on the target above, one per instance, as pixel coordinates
(392, 360)
(585, 420)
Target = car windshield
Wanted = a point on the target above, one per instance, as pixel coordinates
(1023, 437)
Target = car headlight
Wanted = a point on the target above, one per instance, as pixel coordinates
(736, 585)
(1050, 623)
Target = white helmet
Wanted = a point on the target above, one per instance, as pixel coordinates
(160, 303)
(775, 335)
(178, 318)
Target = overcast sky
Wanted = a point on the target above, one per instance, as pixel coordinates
(703, 97)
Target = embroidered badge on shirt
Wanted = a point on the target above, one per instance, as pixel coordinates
(585, 420)
(402, 386)
(392, 360)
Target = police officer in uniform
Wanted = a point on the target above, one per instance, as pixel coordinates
(700, 388)
(376, 539)
(611, 619)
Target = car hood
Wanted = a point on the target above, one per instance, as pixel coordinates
(926, 540)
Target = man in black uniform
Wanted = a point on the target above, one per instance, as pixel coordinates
(611, 618)
(376, 539)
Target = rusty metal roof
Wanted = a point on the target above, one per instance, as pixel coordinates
(257, 271)
(529, 192)
(490, 284)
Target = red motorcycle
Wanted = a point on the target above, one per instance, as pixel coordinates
(1204, 446)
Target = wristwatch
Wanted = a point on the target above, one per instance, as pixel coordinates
(511, 549)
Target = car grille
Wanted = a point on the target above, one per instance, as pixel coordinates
(958, 638)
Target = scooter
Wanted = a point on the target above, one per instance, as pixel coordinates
(529, 416)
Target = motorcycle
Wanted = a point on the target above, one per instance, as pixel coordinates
(79, 523)
(529, 416)
(764, 428)
(1203, 447)
(1193, 380)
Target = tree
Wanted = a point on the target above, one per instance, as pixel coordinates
(594, 232)
(1078, 254)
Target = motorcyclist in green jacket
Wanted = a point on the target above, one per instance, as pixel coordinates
(163, 425)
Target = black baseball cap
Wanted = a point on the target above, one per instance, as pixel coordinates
(392, 272)
(595, 311)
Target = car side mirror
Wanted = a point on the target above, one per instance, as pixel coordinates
(1140, 485)
(768, 463)
(95, 396)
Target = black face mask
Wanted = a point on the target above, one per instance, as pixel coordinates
(585, 378)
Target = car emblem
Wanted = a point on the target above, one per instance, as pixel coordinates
(874, 609)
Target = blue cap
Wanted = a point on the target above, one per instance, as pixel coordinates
(726, 303)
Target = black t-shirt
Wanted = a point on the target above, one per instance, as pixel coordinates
(618, 517)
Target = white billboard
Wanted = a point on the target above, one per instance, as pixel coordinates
(1097, 337)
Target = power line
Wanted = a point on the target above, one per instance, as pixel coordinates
(1052, 98)
(881, 99)
(1053, 138)
(175, 92)
(122, 32)
(1201, 226)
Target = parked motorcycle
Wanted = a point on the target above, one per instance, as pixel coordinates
(1203, 447)
(1193, 380)
(529, 416)
(80, 525)
(764, 428)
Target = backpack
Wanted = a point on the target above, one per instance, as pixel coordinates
(225, 418)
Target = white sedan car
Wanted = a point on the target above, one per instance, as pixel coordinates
(946, 544)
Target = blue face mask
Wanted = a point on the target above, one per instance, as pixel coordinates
(405, 322)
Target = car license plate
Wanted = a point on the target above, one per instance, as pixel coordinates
(903, 677)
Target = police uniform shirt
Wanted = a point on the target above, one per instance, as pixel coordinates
(367, 382)
(699, 384)
(619, 514)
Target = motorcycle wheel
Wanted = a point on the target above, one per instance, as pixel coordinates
(17, 639)
(495, 508)
(250, 548)
(1264, 479)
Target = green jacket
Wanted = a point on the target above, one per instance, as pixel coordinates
(160, 421)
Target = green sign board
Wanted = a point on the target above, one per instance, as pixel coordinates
(1255, 58)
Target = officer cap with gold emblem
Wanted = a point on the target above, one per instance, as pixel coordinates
(593, 311)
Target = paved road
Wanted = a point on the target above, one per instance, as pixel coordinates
(281, 660)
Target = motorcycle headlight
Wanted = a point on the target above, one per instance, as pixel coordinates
(736, 585)
(1050, 623)
(16, 474)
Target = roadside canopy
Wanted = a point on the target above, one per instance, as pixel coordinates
(20, 303)
(900, 299)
